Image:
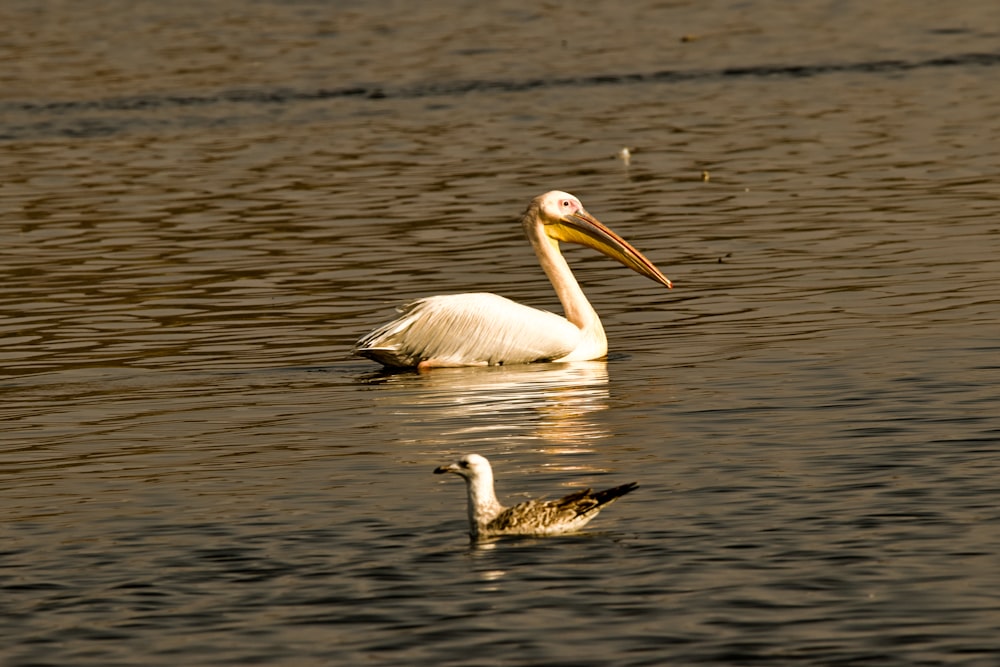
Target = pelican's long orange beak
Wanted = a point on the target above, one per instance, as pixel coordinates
(583, 228)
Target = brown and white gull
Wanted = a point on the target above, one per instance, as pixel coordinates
(488, 518)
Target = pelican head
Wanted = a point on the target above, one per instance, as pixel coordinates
(563, 218)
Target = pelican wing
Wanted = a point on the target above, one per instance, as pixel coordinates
(477, 329)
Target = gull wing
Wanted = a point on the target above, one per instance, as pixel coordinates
(551, 517)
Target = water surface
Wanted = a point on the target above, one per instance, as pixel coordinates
(203, 207)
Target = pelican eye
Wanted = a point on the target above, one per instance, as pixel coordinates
(463, 464)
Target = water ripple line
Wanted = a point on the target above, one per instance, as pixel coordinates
(286, 96)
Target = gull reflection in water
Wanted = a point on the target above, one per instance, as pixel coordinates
(460, 407)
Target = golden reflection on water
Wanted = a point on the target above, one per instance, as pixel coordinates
(553, 404)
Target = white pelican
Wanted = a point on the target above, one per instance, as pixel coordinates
(488, 518)
(480, 329)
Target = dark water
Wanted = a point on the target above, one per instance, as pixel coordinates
(203, 207)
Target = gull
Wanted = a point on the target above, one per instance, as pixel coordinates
(488, 518)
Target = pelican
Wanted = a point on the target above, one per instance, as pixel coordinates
(488, 518)
(482, 329)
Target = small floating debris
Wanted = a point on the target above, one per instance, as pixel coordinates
(625, 155)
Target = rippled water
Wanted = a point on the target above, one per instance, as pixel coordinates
(203, 207)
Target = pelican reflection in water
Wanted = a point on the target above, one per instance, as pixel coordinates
(482, 329)
(555, 406)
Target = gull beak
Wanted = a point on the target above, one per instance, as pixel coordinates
(583, 228)
(451, 467)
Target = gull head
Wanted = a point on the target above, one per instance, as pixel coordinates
(470, 466)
